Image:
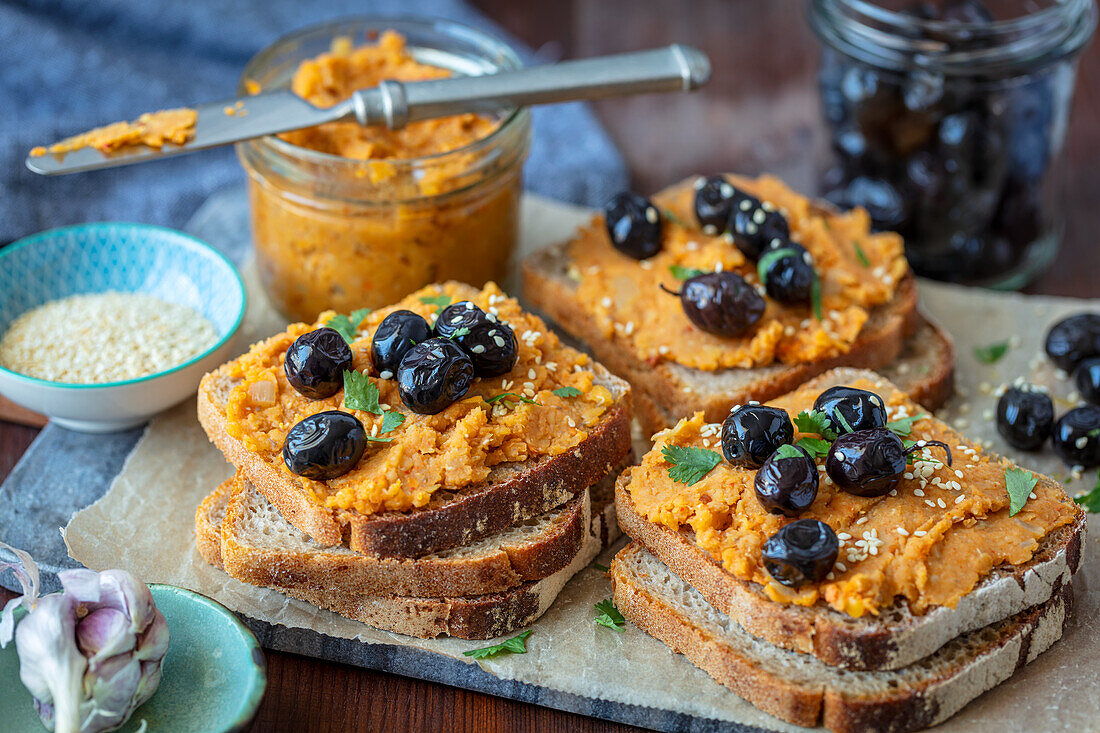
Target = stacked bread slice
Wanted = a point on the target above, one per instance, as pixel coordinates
(476, 562)
(799, 658)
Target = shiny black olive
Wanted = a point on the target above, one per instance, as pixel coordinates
(751, 433)
(801, 552)
(396, 334)
(720, 302)
(462, 314)
(850, 409)
(788, 484)
(1074, 339)
(871, 462)
(634, 225)
(790, 277)
(325, 445)
(1025, 418)
(755, 226)
(1076, 436)
(433, 375)
(315, 363)
(491, 345)
(1088, 380)
(715, 201)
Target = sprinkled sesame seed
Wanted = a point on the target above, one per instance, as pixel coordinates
(651, 215)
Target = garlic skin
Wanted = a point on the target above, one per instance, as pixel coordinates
(91, 654)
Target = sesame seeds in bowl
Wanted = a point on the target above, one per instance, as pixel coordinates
(103, 326)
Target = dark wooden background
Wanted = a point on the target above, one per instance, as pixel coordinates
(759, 113)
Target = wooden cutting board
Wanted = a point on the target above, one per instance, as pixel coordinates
(11, 412)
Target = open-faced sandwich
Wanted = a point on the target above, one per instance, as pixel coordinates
(839, 557)
(724, 289)
(441, 466)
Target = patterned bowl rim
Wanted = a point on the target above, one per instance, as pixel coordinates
(182, 239)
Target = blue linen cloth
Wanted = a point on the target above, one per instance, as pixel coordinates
(69, 65)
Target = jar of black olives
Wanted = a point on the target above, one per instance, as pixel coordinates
(947, 121)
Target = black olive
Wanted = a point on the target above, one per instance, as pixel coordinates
(491, 345)
(396, 334)
(325, 445)
(850, 409)
(751, 433)
(1088, 380)
(315, 363)
(1074, 339)
(433, 375)
(801, 552)
(715, 201)
(871, 462)
(634, 225)
(755, 226)
(1076, 436)
(462, 314)
(721, 303)
(787, 485)
(1025, 417)
(789, 278)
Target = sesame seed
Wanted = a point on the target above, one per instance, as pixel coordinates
(861, 520)
(941, 503)
(386, 374)
(710, 230)
(960, 498)
(920, 533)
(479, 348)
(498, 341)
(651, 215)
(902, 531)
(918, 492)
(606, 302)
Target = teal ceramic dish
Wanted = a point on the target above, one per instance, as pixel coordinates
(128, 258)
(214, 674)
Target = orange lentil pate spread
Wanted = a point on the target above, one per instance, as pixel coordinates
(153, 129)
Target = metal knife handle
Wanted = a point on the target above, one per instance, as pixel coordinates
(395, 104)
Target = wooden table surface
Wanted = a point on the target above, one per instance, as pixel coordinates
(758, 114)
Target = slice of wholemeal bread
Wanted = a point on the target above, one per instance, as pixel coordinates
(894, 638)
(802, 690)
(513, 492)
(672, 391)
(468, 617)
(262, 548)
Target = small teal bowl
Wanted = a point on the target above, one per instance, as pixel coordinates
(213, 679)
(128, 258)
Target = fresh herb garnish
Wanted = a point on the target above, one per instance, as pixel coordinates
(991, 354)
(816, 422)
(348, 326)
(513, 395)
(860, 254)
(391, 421)
(816, 447)
(689, 464)
(516, 645)
(601, 568)
(360, 393)
(673, 218)
(609, 616)
(683, 273)
(567, 392)
(815, 296)
(904, 425)
(440, 301)
(1095, 432)
(844, 421)
(766, 261)
(1091, 500)
(1019, 484)
(460, 332)
(788, 451)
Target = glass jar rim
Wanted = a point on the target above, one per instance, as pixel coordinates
(495, 46)
(897, 40)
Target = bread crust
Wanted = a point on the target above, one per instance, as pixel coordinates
(512, 494)
(912, 702)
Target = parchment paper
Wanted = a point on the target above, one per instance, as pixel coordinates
(145, 525)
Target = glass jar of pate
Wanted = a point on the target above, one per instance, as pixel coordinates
(340, 233)
(948, 120)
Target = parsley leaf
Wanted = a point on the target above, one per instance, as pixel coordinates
(1091, 500)
(903, 426)
(348, 326)
(440, 301)
(1019, 484)
(816, 447)
(815, 422)
(601, 568)
(513, 395)
(815, 296)
(788, 451)
(1095, 432)
(991, 354)
(460, 332)
(689, 464)
(683, 273)
(567, 392)
(609, 616)
(516, 645)
(860, 254)
(360, 393)
(391, 421)
(673, 218)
